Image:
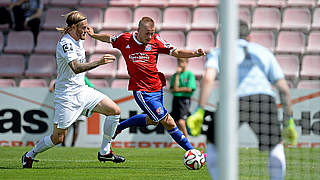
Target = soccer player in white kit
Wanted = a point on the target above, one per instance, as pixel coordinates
(72, 97)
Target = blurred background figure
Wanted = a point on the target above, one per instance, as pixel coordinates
(182, 86)
(23, 15)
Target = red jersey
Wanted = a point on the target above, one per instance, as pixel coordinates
(141, 60)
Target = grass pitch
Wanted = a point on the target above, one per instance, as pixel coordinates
(152, 163)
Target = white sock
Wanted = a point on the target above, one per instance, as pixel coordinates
(44, 144)
(212, 160)
(109, 127)
(277, 163)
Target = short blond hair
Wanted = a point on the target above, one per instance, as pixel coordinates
(146, 20)
(73, 17)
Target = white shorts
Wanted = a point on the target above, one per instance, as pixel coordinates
(69, 108)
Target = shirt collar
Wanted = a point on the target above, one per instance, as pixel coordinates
(135, 38)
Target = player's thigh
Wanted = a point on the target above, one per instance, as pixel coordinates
(107, 107)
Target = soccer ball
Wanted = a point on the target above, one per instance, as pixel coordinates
(194, 159)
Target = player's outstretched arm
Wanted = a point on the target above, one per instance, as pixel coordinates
(101, 37)
(78, 67)
(184, 53)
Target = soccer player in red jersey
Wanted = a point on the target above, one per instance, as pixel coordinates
(141, 50)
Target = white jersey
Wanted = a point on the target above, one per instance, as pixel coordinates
(69, 83)
(255, 74)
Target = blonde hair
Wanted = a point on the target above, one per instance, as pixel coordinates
(73, 17)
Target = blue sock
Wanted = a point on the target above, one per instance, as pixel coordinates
(136, 120)
(177, 135)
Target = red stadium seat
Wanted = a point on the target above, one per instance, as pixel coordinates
(122, 71)
(183, 3)
(290, 42)
(153, 3)
(54, 19)
(47, 42)
(99, 83)
(247, 3)
(264, 38)
(200, 39)
(313, 42)
(19, 42)
(272, 3)
(4, 27)
(103, 47)
(301, 3)
(167, 65)
(93, 3)
(266, 18)
(32, 83)
(41, 66)
(208, 3)
(289, 64)
(94, 16)
(175, 38)
(104, 71)
(205, 19)
(196, 65)
(116, 18)
(11, 65)
(176, 19)
(316, 20)
(154, 13)
(7, 83)
(89, 45)
(64, 3)
(123, 3)
(296, 18)
(308, 84)
(120, 83)
(310, 67)
(5, 2)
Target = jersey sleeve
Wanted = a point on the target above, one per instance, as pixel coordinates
(117, 40)
(213, 60)
(275, 72)
(67, 51)
(164, 47)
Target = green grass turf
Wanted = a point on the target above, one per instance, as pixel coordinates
(152, 163)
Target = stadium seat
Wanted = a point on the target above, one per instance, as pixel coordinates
(103, 47)
(4, 27)
(245, 15)
(182, 3)
(89, 45)
(176, 19)
(310, 67)
(301, 3)
(196, 65)
(122, 71)
(296, 19)
(11, 65)
(64, 3)
(47, 42)
(272, 3)
(99, 83)
(247, 3)
(205, 19)
(264, 38)
(54, 19)
(94, 16)
(208, 3)
(104, 71)
(309, 84)
(117, 18)
(7, 83)
(290, 42)
(313, 42)
(93, 3)
(289, 64)
(200, 39)
(5, 2)
(123, 3)
(19, 42)
(153, 3)
(316, 20)
(175, 38)
(154, 13)
(167, 65)
(266, 18)
(43, 66)
(1, 41)
(32, 83)
(120, 83)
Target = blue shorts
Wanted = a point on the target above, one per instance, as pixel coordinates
(151, 103)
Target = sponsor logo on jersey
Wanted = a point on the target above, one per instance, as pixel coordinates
(138, 57)
(148, 47)
(67, 47)
(128, 47)
(159, 111)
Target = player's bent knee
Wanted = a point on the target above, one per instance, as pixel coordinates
(168, 122)
(57, 139)
(150, 122)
